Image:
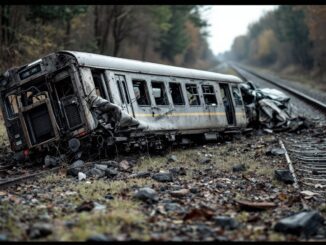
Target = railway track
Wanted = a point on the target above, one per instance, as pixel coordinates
(306, 156)
(5, 183)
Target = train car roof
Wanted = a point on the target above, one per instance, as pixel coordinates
(108, 62)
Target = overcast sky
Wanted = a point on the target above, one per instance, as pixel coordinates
(229, 21)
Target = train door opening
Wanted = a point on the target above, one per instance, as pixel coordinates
(124, 94)
(228, 104)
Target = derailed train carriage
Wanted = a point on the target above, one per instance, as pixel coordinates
(101, 102)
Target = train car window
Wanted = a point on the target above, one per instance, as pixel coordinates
(209, 95)
(236, 95)
(176, 93)
(101, 84)
(141, 92)
(64, 87)
(192, 93)
(160, 93)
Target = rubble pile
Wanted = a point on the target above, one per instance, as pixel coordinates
(270, 109)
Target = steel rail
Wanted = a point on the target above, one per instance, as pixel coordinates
(318, 104)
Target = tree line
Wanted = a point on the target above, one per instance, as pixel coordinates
(170, 34)
(287, 36)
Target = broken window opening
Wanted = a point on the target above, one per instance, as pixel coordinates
(64, 87)
(141, 92)
(100, 83)
(192, 93)
(11, 105)
(176, 93)
(236, 95)
(160, 93)
(209, 95)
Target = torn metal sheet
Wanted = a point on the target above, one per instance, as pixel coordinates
(270, 108)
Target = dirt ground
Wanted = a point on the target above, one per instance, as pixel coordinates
(204, 182)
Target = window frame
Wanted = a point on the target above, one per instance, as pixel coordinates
(179, 84)
(146, 91)
(211, 93)
(165, 95)
(239, 94)
(197, 94)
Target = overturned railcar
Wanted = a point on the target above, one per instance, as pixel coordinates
(101, 101)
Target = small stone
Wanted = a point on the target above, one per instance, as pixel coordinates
(85, 206)
(3, 238)
(226, 222)
(194, 190)
(172, 158)
(204, 160)
(99, 238)
(174, 207)
(77, 164)
(275, 152)
(179, 193)
(81, 176)
(284, 175)
(306, 223)
(99, 207)
(111, 172)
(146, 194)
(124, 165)
(96, 172)
(163, 177)
(178, 171)
(239, 168)
(69, 224)
(73, 171)
(109, 197)
(101, 166)
(39, 230)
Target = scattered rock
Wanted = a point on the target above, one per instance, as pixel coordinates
(163, 177)
(239, 168)
(204, 160)
(3, 238)
(96, 172)
(140, 175)
(194, 190)
(284, 175)
(39, 230)
(111, 172)
(110, 163)
(124, 165)
(172, 158)
(226, 222)
(77, 164)
(81, 176)
(75, 168)
(146, 194)
(101, 167)
(99, 207)
(51, 161)
(178, 171)
(69, 224)
(179, 193)
(306, 223)
(174, 207)
(275, 152)
(255, 206)
(99, 238)
(109, 197)
(85, 206)
(315, 172)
